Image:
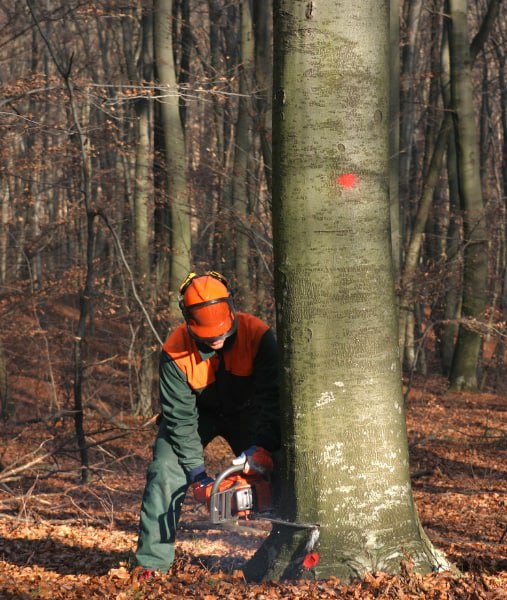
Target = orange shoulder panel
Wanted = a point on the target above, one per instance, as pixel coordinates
(240, 358)
(183, 350)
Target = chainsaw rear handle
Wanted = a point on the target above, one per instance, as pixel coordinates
(223, 475)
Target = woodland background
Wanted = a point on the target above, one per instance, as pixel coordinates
(102, 211)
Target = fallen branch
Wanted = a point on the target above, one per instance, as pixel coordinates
(11, 472)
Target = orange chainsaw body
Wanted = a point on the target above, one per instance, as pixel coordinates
(235, 495)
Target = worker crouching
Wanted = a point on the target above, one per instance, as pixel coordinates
(218, 377)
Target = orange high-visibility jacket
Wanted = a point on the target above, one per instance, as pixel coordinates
(195, 380)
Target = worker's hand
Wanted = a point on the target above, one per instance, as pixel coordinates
(201, 488)
(255, 460)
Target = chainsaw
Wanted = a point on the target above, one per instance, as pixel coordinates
(236, 495)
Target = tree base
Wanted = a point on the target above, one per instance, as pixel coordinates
(290, 553)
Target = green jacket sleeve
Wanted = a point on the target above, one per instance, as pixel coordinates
(179, 412)
(266, 409)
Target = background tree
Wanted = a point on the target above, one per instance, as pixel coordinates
(343, 435)
(177, 200)
(468, 346)
(4, 385)
(143, 204)
(241, 183)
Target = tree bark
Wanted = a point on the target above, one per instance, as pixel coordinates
(142, 211)
(243, 148)
(468, 347)
(409, 85)
(175, 154)
(264, 78)
(4, 385)
(343, 425)
(394, 135)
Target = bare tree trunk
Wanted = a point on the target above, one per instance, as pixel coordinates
(409, 84)
(394, 135)
(407, 297)
(453, 247)
(143, 209)
(343, 426)
(263, 12)
(175, 154)
(243, 148)
(468, 347)
(4, 228)
(4, 384)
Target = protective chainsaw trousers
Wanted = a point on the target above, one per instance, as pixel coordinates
(166, 486)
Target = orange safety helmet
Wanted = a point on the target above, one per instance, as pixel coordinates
(208, 307)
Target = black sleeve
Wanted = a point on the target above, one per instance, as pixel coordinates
(266, 408)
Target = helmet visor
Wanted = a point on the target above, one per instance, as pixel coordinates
(211, 321)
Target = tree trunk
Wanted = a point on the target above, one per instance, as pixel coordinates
(4, 228)
(263, 12)
(453, 248)
(407, 296)
(394, 135)
(409, 85)
(4, 385)
(343, 425)
(243, 148)
(142, 211)
(468, 347)
(175, 156)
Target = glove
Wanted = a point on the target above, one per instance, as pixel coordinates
(201, 488)
(255, 460)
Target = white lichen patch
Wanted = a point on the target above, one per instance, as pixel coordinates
(339, 384)
(371, 541)
(332, 454)
(346, 489)
(325, 398)
(382, 465)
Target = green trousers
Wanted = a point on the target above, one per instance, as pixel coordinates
(166, 485)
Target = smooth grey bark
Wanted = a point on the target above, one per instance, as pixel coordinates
(263, 12)
(343, 425)
(454, 256)
(469, 343)
(175, 153)
(241, 204)
(394, 135)
(453, 247)
(185, 46)
(143, 187)
(409, 84)
(216, 9)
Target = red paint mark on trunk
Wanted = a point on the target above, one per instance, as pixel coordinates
(311, 559)
(347, 180)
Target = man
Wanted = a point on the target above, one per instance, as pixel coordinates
(218, 376)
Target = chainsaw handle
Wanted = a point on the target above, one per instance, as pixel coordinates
(223, 475)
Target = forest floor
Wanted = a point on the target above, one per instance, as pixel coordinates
(62, 540)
